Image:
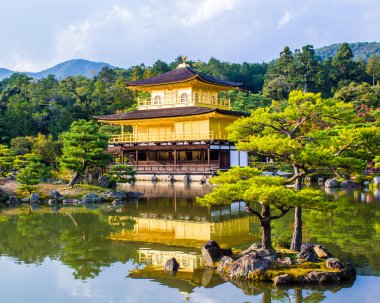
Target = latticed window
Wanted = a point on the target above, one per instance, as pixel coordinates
(157, 100)
(183, 98)
(196, 97)
(212, 99)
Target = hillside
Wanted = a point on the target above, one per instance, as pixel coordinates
(361, 50)
(65, 69)
(4, 73)
(72, 68)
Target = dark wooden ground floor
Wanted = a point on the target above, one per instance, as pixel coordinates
(189, 158)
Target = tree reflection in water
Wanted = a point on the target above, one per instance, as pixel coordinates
(79, 238)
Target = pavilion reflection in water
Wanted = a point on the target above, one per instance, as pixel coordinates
(169, 223)
(173, 218)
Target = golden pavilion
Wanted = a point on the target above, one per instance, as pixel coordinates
(180, 129)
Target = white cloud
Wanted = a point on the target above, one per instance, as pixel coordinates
(200, 12)
(285, 18)
(76, 39)
(125, 33)
(20, 62)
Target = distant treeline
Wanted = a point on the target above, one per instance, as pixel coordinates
(49, 106)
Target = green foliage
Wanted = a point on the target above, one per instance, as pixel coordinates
(360, 50)
(32, 173)
(363, 96)
(6, 159)
(243, 102)
(46, 148)
(84, 147)
(21, 145)
(280, 236)
(373, 67)
(265, 192)
(290, 131)
(122, 173)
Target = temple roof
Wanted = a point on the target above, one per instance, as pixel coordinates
(167, 112)
(182, 74)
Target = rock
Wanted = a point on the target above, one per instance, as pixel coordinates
(224, 264)
(134, 195)
(334, 263)
(320, 277)
(208, 274)
(331, 183)
(34, 198)
(13, 201)
(52, 202)
(171, 265)
(322, 252)
(25, 200)
(254, 246)
(117, 203)
(212, 253)
(348, 272)
(308, 256)
(282, 279)
(91, 198)
(284, 261)
(105, 181)
(111, 195)
(67, 202)
(251, 263)
(321, 180)
(376, 180)
(58, 182)
(349, 184)
(56, 195)
(307, 247)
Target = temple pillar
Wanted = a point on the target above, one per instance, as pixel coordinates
(122, 156)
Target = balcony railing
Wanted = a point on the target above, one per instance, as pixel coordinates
(167, 137)
(189, 100)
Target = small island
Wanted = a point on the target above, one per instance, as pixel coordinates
(313, 264)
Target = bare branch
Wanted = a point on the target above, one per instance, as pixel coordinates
(254, 212)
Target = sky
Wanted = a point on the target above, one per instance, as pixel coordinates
(37, 34)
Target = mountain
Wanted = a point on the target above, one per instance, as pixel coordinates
(72, 68)
(4, 73)
(361, 50)
(65, 69)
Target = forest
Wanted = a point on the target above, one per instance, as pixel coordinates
(34, 113)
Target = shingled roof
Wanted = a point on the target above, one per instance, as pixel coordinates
(167, 112)
(182, 74)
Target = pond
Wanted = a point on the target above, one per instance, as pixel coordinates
(115, 253)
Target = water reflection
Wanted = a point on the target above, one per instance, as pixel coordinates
(181, 222)
(139, 236)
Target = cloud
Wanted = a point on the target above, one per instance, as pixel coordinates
(285, 18)
(76, 39)
(196, 12)
(125, 33)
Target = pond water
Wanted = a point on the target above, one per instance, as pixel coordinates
(115, 253)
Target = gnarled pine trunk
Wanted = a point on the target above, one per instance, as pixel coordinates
(74, 179)
(265, 224)
(297, 232)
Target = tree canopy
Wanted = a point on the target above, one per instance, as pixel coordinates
(84, 148)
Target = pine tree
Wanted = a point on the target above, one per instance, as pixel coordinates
(84, 148)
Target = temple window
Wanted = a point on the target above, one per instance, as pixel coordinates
(183, 98)
(157, 100)
(212, 99)
(196, 97)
